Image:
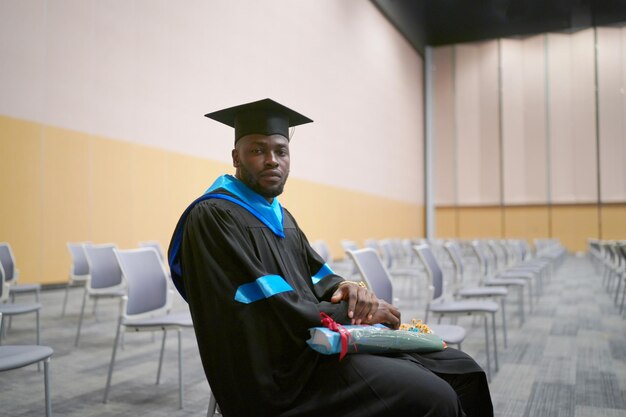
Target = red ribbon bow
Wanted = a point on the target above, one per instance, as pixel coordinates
(331, 324)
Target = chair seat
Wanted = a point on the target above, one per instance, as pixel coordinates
(460, 307)
(491, 291)
(79, 278)
(17, 356)
(22, 288)
(517, 274)
(506, 281)
(107, 293)
(530, 267)
(450, 334)
(176, 319)
(13, 309)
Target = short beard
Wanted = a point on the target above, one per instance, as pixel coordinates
(245, 177)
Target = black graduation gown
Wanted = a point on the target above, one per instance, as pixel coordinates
(254, 354)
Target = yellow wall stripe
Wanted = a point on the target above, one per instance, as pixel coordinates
(60, 185)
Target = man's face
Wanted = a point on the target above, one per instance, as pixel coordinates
(262, 163)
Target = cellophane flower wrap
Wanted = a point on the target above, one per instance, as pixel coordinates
(373, 339)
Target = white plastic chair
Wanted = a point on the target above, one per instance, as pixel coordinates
(105, 278)
(8, 309)
(147, 305)
(19, 356)
(475, 292)
(79, 270)
(438, 305)
(7, 260)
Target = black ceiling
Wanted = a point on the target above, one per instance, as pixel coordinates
(442, 22)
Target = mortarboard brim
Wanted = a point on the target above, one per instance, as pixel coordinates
(265, 117)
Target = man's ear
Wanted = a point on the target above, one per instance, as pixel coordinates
(235, 156)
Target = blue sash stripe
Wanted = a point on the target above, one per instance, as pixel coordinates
(263, 287)
(323, 272)
(251, 209)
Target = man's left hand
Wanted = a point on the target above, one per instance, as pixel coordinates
(362, 303)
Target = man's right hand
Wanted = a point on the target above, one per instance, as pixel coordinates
(386, 314)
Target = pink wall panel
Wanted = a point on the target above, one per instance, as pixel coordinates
(535, 119)
(445, 141)
(611, 77)
(572, 117)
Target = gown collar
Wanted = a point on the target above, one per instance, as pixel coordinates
(270, 214)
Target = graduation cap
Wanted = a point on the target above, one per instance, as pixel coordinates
(265, 117)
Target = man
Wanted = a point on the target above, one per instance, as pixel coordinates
(255, 286)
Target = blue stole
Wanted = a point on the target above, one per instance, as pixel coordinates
(270, 215)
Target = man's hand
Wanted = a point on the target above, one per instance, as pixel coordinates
(362, 303)
(386, 314)
(364, 307)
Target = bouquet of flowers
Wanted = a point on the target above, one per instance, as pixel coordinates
(332, 338)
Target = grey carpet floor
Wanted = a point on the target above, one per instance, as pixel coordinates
(567, 360)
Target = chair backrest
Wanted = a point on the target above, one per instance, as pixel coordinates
(407, 247)
(373, 272)
(146, 281)
(482, 257)
(104, 270)
(498, 255)
(321, 247)
(4, 290)
(8, 261)
(80, 266)
(153, 244)
(454, 252)
(433, 270)
(386, 249)
(371, 243)
(621, 250)
(349, 245)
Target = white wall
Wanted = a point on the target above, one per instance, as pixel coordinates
(145, 71)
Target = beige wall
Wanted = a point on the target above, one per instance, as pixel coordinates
(104, 139)
(68, 186)
(547, 152)
(147, 71)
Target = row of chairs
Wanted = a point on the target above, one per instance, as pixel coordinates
(500, 265)
(137, 277)
(609, 259)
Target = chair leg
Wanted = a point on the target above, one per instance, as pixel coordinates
(158, 380)
(80, 319)
(38, 338)
(621, 303)
(495, 344)
(38, 327)
(180, 370)
(1, 329)
(46, 385)
(504, 335)
(110, 375)
(10, 317)
(487, 348)
(521, 305)
(67, 290)
(210, 412)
